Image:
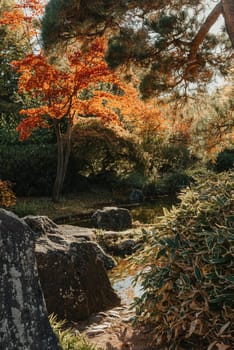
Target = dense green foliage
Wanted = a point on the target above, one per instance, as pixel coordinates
(225, 160)
(114, 153)
(188, 283)
(31, 168)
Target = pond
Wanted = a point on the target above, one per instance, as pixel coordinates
(148, 211)
(145, 212)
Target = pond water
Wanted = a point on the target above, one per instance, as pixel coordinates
(122, 280)
(145, 212)
(123, 275)
(148, 211)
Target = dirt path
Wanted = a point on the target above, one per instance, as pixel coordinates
(113, 330)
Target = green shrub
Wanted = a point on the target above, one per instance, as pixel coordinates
(68, 338)
(167, 184)
(173, 156)
(32, 168)
(174, 182)
(225, 160)
(189, 282)
(33, 206)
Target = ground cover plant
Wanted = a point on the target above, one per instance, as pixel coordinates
(68, 338)
(188, 284)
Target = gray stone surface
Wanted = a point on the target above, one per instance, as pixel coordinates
(41, 225)
(24, 322)
(121, 243)
(53, 236)
(112, 218)
(73, 279)
(72, 270)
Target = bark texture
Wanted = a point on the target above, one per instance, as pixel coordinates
(24, 323)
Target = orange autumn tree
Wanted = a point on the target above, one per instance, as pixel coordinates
(24, 15)
(59, 92)
(56, 90)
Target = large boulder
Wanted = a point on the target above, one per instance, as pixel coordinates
(73, 279)
(47, 233)
(24, 321)
(112, 218)
(73, 274)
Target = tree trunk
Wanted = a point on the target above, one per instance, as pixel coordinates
(228, 13)
(63, 155)
(67, 151)
(24, 322)
(60, 160)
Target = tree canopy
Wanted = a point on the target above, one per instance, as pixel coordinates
(167, 45)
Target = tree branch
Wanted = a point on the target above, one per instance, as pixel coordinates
(228, 13)
(210, 20)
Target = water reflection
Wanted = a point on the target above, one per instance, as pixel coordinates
(147, 212)
(122, 280)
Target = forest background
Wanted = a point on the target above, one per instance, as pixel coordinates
(148, 145)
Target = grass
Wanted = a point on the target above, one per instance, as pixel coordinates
(69, 338)
(67, 207)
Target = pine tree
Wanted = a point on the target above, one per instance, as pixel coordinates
(165, 44)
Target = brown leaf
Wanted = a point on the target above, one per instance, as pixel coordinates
(223, 328)
(222, 346)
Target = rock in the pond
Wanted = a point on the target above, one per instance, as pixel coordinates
(112, 218)
(24, 321)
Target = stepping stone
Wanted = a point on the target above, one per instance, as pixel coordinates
(99, 329)
(114, 314)
(93, 332)
(127, 319)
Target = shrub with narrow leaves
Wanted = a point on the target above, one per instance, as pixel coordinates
(189, 281)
